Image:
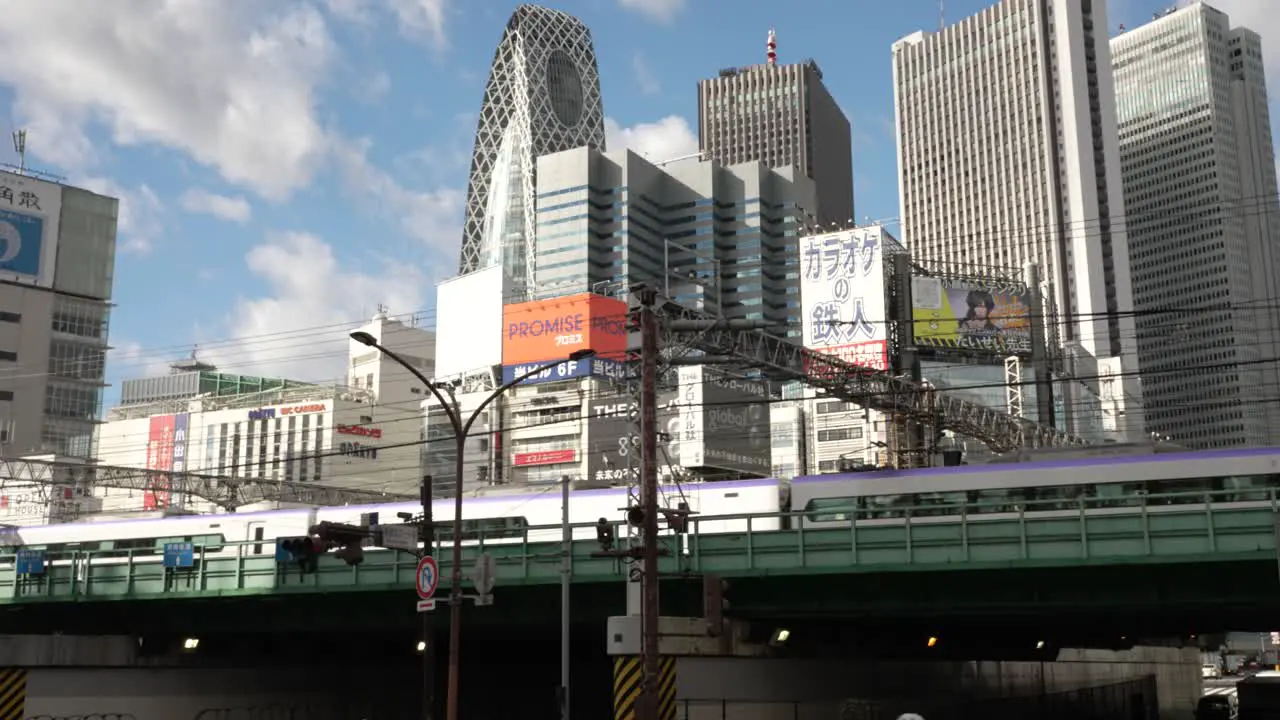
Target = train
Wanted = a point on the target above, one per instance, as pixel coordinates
(1045, 488)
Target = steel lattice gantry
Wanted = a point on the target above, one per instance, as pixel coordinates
(879, 391)
(79, 480)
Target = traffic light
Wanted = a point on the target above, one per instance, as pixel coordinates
(604, 534)
(349, 539)
(635, 516)
(305, 551)
(678, 519)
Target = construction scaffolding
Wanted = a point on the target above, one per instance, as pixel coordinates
(897, 396)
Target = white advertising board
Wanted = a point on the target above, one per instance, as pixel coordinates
(469, 322)
(29, 214)
(842, 295)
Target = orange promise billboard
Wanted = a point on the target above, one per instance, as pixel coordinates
(546, 330)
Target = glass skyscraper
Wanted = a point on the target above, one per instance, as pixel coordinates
(1203, 224)
(543, 96)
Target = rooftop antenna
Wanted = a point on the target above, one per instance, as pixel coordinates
(20, 147)
(772, 47)
(942, 15)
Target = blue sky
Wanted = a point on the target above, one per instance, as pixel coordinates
(286, 166)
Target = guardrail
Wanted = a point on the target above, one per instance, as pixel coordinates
(1224, 525)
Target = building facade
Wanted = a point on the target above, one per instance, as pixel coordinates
(543, 96)
(721, 239)
(365, 433)
(1008, 155)
(715, 426)
(57, 261)
(781, 116)
(1203, 222)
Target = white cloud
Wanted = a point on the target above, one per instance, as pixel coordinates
(432, 217)
(298, 327)
(668, 138)
(644, 76)
(229, 82)
(417, 19)
(662, 11)
(128, 359)
(374, 87)
(140, 220)
(233, 209)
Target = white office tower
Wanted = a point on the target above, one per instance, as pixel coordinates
(1007, 155)
(1203, 223)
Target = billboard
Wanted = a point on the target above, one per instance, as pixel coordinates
(612, 449)
(724, 423)
(545, 330)
(971, 315)
(29, 214)
(166, 453)
(469, 322)
(544, 457)
(567, 370)
(842, 296)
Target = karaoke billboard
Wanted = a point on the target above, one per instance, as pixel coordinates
(842, 296)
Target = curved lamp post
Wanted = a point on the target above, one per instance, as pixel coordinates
(460, 430)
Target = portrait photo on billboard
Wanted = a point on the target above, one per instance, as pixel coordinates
(971, 316)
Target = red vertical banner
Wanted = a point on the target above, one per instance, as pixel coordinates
(159, 459)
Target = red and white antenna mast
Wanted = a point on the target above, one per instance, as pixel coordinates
(772, 46)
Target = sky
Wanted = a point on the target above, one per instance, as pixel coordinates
(285, 167)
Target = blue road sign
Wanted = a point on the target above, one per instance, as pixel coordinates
(179, 555)
(29, 562)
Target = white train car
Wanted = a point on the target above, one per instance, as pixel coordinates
(495, 517)
(1104, 484)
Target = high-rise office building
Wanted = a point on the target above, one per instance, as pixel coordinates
(57, 267)
(1007, 155)
(722, 239)
(780, 116)
(543, 96)
(1203, 224)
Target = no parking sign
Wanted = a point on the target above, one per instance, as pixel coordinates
(428, 577)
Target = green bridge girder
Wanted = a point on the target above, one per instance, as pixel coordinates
(1163, 530)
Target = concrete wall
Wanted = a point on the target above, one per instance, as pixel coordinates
(185, 694)
(768, 689)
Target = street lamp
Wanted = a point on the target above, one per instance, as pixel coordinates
(460, 430)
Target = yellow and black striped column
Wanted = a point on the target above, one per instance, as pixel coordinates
(628, 681)
(13, 694)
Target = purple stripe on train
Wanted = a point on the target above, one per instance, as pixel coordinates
(1044, 465)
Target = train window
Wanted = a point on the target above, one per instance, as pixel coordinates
(485, 528)
(831, 509)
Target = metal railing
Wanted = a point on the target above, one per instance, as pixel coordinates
(1084, 529)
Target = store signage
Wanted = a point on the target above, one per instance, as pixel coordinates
(269, 413)
(359, 430)
(546, 457)
(355, 449)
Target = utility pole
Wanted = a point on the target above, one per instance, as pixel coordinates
(428, 532)
(648, 705)
(566, 570)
